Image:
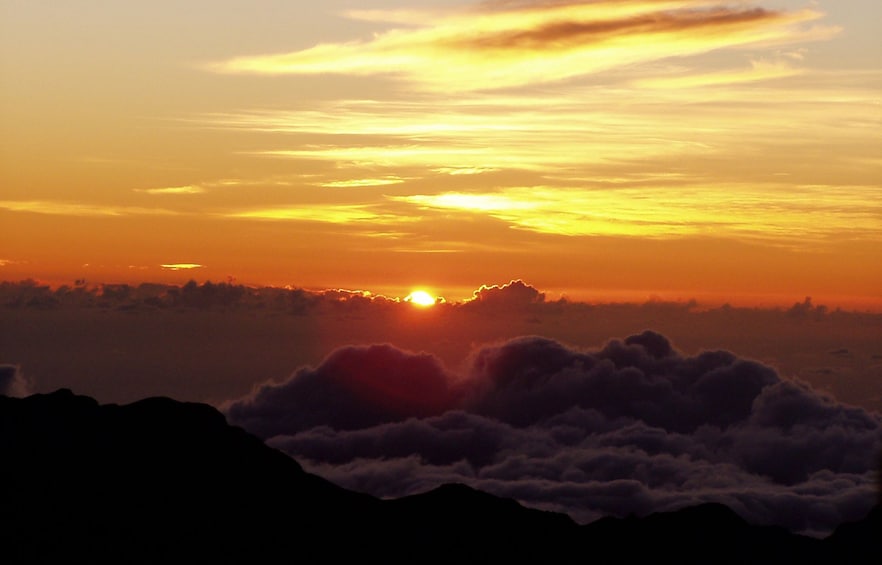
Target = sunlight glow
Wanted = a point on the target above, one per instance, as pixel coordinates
(420, 298)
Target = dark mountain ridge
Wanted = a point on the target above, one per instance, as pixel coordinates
(161, 479)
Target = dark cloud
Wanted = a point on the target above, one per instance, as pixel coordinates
(635, 426)
(530, 379)
(806, 309)
(353, 387)
(574, 33)
(514, 294)
(13, 382)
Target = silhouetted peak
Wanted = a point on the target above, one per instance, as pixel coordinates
(159, 478)
(862, 538)
(474, 508)
(58, 398)
(456, 490)
(708, 514)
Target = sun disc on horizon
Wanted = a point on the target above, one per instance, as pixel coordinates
(420, 298)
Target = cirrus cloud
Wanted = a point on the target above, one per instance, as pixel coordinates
(491, 48)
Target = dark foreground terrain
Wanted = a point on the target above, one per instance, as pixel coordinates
(160, 480)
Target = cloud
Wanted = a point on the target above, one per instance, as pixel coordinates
(806, 309)
(463, 171)
(59, 208)
(181, 266)
(356, 183)
(13, 382)
(353, 387)
(188, 189)
(573, 32)
(759, 213)
(491, 48)
(759, 71)
(515, 294)
(334, 214)
(634, 426)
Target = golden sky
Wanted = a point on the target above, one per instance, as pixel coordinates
(603, 150)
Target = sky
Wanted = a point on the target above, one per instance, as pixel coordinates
(607, 150)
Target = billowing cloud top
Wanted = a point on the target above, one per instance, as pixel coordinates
(354, 387)
(634, 426)
(514, 294)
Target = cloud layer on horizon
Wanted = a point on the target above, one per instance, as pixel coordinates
(633, 427)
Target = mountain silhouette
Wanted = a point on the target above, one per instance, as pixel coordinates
(160, 480)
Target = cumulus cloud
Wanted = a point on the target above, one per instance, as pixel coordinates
(515, 293)
(354, 387)
(635, 426)
(13, 382)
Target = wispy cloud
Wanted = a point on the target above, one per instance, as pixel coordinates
(759, 71)
(663, 117)
(79, 209)
(534, 43)
(334, 214)
(604, 118)
(355, 183)
(765, 212)
(677, 140)
(462, 171)
(187, 189)
(181, 266)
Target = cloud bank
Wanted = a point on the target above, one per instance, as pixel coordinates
(633, 427)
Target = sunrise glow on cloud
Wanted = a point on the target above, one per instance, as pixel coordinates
(729, 133)
(528, 44)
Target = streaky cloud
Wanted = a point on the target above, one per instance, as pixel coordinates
(63, 208)
(184, 189)
(492, 49)
(181, 266)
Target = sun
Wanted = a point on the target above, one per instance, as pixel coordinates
(420, 298)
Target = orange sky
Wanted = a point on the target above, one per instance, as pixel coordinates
(602, 150)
